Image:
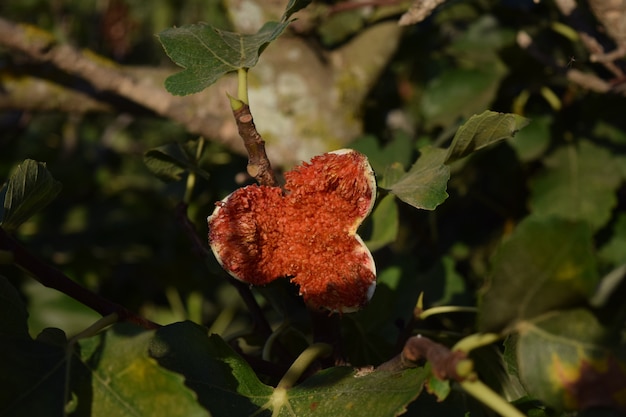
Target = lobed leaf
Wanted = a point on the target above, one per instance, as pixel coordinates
(207, 53)
(483, 130)
(547, 264)
(30, 188)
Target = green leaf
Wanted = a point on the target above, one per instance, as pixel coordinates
(483, 130)
(566, 360)
(614, 251)
(459, 93)
(344, 391)
(32, 377)
(169, 162)
(207, 53)
(533, 140)
(385, 223)
(424, 186)
(547, 264)
(226, 385)
(30, 189)
(13, 314)
(223, 382)
(399, 150)
(294, 6)
(125, 380)
(579, 183)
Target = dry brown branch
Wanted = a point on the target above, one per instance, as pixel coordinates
(53, 278)
(612, 15)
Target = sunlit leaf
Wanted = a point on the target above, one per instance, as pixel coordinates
(545, 265)
(30, 188)
(579, 183)
(483, 130)
(125, 380)
(347, 392)
(207, 53)
(424, 185)
(567, 360)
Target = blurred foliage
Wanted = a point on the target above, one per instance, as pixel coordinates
(113, 226)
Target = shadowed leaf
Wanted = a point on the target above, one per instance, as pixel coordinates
(545, 265)
(30, 189)
(579, 183)
(170, 162)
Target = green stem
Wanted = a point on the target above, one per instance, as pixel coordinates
(306, 358)
(222, 321)
(191, 178)
(490, 398)
(476, 340)
(242, 85)
(96, 328)
(267, 348)
(446, 309)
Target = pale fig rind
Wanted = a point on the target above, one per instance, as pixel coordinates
(259, 234)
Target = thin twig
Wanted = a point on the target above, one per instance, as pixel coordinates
(53, 278)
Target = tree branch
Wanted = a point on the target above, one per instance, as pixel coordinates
(202, 114)
(53, 278)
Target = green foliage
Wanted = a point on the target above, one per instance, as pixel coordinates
(579, 183)
(577, 356)
(483, 130)
(207, 53)
(424, 185)
(547, 264)
(30, 188)
(518, 219)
